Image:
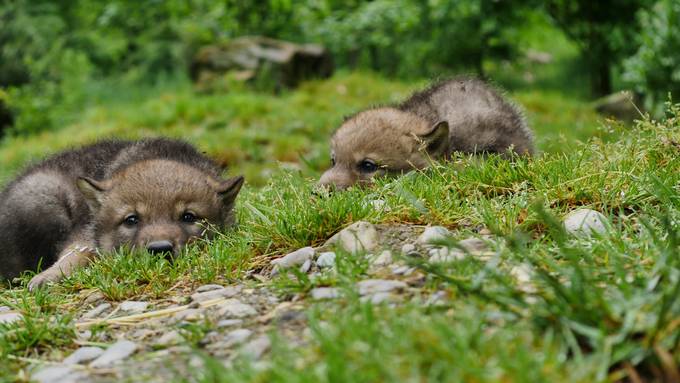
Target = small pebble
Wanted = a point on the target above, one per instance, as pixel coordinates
(585, 222)
(7, 317)
(236, 337)
(320, 293)
(408, 249)
(373, 286)
(4, 308)
(55, 374)
(256, 347)
(306, 266)
(296, 258)
(84, 354)
(116, 352)
(433, 235)
(133, 307)
(170, 338)
(222, 292)
(95, 312)
(233, 308)
(445, 255)
(384, 259)
(229, 323)
(378, 298)
(474, 245)
(188, 315)
(326, 259)
(94, 298)
(357, 237)
(403, 270)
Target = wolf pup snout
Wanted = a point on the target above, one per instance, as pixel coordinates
(461, 114)
(153, 194)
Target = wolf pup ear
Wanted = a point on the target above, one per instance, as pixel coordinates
(436, 140)
(92, 190)
(229, 189)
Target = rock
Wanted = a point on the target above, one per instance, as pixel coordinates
(306, 266)
(522, 275)
(233, 308)
(326, 259)
(236, 337)
(118, 351)
(474, 245)
(256, 347)
(94, 298)
(433, 235)
(408, 249)
(264, 62)
(623, 105)
(97, 311)
(445, 255)
(378, 298)
(296, 258)
(320, 293)
(84, 354)
(373, 286)
(437, 298)
(133, 307)
(58, 374)
(4, 308)
(403, 270)
(170, 338)
(188, 315)
(8, 317)
(585, 222)
(357, 237)
(384, 259)
(379, 205)
(209, 287)
(229, 323)
(221, 292)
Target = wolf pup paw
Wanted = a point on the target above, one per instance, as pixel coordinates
(43, 279)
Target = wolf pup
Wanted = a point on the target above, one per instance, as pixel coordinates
(461, 114)
(152, 194)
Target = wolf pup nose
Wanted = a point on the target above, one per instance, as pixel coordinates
(461, 114)
(156, 194)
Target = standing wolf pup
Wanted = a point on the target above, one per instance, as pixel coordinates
(153, 194)
(462, 114)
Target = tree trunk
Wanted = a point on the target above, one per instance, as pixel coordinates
(600, 76)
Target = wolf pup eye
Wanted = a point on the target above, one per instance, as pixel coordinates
(131, 220)
(332, 160)
(189, 217)
(367, 166)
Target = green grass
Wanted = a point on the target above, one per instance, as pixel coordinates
(599, 308)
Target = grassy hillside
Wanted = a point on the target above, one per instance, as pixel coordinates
(535, 305)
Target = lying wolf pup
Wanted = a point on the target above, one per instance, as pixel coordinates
(461, 114)
(153, 194)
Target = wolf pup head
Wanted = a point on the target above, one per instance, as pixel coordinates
(158, 205)
(382, 141)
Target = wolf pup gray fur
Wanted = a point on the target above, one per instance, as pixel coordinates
(153, 194)
(461, 114)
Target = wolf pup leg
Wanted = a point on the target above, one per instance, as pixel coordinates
(76, 254)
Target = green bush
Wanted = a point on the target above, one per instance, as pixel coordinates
(654, 70)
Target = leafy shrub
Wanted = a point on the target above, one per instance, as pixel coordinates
(654, 70)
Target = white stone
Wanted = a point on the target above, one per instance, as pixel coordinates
(522, 274)
(95, 312)
(373, 286)
(384, 259)
(170, 338)
(133, 307)
(445, 255)
(4, 308)
(296, 258)
(474, 245)
(404, 270)
(222, 292)
(433, 235)
(55, 374)
(233, 308)
(256, 347)
(306, 266)
(236, 337)
(229, 323)
(326, 259)
(408, 249)
(7, 317)
(357, 237)
(585, 222)
(84, 354)
(320, 293)
(188, 315)
(116, 352)
(378, 298)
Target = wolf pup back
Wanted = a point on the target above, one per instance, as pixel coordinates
(461, 114)
(154, 194)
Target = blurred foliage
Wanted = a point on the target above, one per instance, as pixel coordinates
(654, 70)
(51, 50)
